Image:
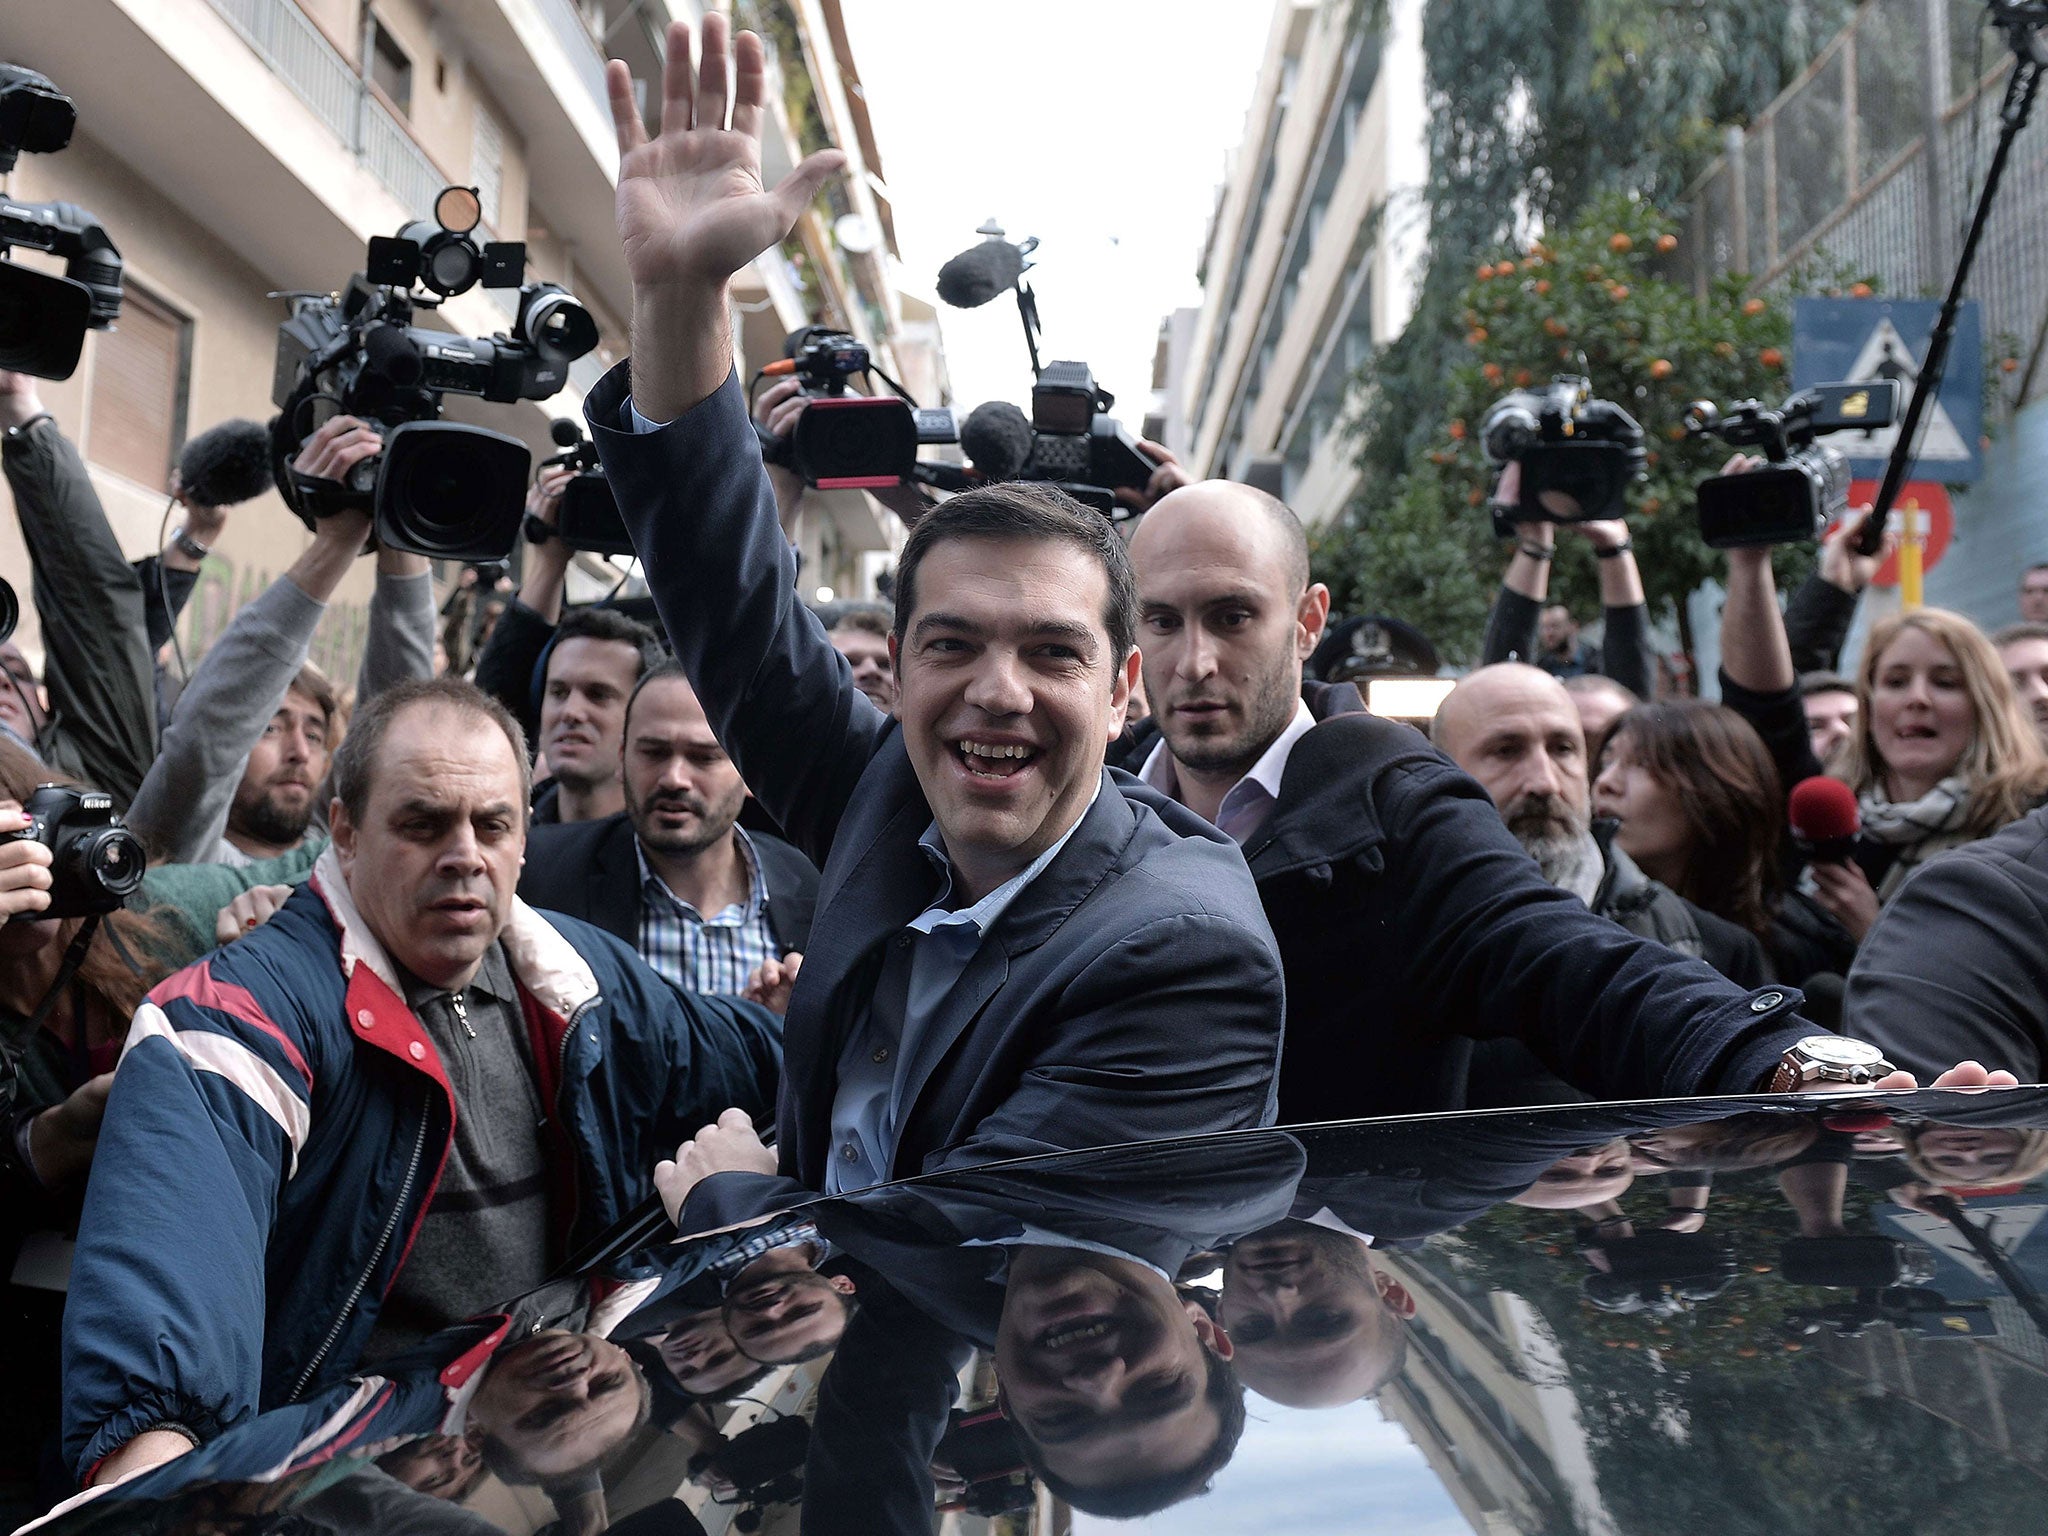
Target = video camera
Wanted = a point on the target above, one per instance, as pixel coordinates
(845, 441)
(441, 489)
(589, 518)
(1805, 486)
(96, 863)
(1578, 454)
(44, 317)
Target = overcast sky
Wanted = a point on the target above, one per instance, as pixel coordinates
(1101, 126)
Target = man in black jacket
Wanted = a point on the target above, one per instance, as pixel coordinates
(1010, 943)
(1410, 921)
(706, 902)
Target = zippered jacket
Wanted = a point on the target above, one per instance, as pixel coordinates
(278, 1125)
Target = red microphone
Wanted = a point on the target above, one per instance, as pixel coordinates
(1824, 819)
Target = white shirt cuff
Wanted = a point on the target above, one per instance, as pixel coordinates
(640, 423)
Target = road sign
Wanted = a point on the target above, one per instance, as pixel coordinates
(1868, 339)
(1932, 513)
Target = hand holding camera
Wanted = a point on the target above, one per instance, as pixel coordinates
(24, 867)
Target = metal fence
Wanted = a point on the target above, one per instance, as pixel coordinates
(322, 77)
(1838, 167)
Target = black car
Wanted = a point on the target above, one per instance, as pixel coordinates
(1768, 1315)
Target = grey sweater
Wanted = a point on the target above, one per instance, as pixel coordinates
(181, 811)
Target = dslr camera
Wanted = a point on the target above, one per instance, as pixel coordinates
(845, 441)
(1076, 444)
(96, 863)
(1805, 486)
(441, 489)
(1578, 454)
(44, 317)
(589, 516)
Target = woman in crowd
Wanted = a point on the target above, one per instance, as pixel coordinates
(1942, 754)
(1701, 809)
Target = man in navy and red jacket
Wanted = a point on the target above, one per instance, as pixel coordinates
(287, 1109)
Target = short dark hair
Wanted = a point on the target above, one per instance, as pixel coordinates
(600, 623)
(504, 1463)
(2038, 565)
(666, 667)
(1811, 683)
(868, 618)
(355, 761)
(2012, 634)
(1148, 1495)
(1022, 511)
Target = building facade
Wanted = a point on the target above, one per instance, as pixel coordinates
(1309, 260)
(236, 149)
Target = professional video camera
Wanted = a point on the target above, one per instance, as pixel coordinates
(439, 488)
(44, 317)
(589, 518)
(765, 1465)
(1805, 486)
(1578, 454)
(845, 441)
(96, 863)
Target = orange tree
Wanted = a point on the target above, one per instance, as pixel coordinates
(1598, 297)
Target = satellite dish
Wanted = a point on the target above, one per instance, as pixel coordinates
(856, 232)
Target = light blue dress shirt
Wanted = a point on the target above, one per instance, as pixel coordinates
(923, 964)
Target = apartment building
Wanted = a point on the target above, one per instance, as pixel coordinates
(1309, 259)
(239, 148)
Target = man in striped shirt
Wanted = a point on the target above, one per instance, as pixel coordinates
(706, 902)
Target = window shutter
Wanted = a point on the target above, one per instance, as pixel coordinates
(136, 419)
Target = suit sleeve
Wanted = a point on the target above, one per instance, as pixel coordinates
(1173, 1030)
(166, 1310)
(1493, 947)
(702, 514)
(1956, 969)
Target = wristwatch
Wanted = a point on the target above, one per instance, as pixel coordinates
(1828, 1059)
(190, 547)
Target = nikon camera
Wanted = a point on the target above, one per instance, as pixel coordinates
(96, 863)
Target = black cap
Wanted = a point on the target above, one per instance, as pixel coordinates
(1374, 646)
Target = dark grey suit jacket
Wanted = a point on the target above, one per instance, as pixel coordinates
(588, 869)
(1132, 991)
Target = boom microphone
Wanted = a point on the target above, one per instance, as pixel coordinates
(997, 439)
(1824, 819)
(226, 465)
(980, 273)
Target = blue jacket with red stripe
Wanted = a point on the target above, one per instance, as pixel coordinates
(279, 1122)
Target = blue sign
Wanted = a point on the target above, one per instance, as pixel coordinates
(1837, 340)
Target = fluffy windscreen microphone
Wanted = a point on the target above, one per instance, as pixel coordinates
(226, 465)
(997, 439)
(980, 273)
(1824, 819)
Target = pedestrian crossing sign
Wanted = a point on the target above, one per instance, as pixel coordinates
(1869, 339)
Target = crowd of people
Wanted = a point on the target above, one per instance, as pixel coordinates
(433, 978)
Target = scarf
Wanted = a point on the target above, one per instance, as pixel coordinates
(1903, 823)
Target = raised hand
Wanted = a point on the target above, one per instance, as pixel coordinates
(692, 209)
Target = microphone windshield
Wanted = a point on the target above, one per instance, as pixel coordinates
(226, 465)
(997, 439)
(1823, 810)
(981, 273)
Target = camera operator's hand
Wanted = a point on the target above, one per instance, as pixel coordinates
(692, 209)
(1607, 533)
(1169, 476)
(730, 1146)
(779, 405)
(337, 445)
(24, 867)
(61, 1138)
(19, 399)
(546, 571)
(1841, 563)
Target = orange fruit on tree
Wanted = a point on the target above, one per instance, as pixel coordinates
(1661, 368)
(1474, 496)
(1859, 290)
(1486, 272)
(1543, 285)
(1724, 349)
(1771, 357)
(2010, 365)
(1754, 307)
(1457, 430)
(1618, 292)
(1494, 373)
(1523, 378)
(1620, 243)
(1666, 244)
(1556, 327)
(1478, 335)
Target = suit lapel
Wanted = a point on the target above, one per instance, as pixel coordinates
(614, 894)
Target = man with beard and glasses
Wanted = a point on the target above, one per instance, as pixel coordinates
(1516, 730)
(706, 902)
(404, 1096)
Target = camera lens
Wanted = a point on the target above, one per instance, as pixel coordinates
(10, 612)
(559, 328)
(94, 870)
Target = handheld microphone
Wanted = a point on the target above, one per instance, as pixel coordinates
(997, 439)
(226, 465)
(1824, 819)
(980, 273)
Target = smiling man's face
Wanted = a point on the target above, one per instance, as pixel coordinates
(1009, 696)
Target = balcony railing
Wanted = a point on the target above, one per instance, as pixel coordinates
(586, 57)
(286, 39)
